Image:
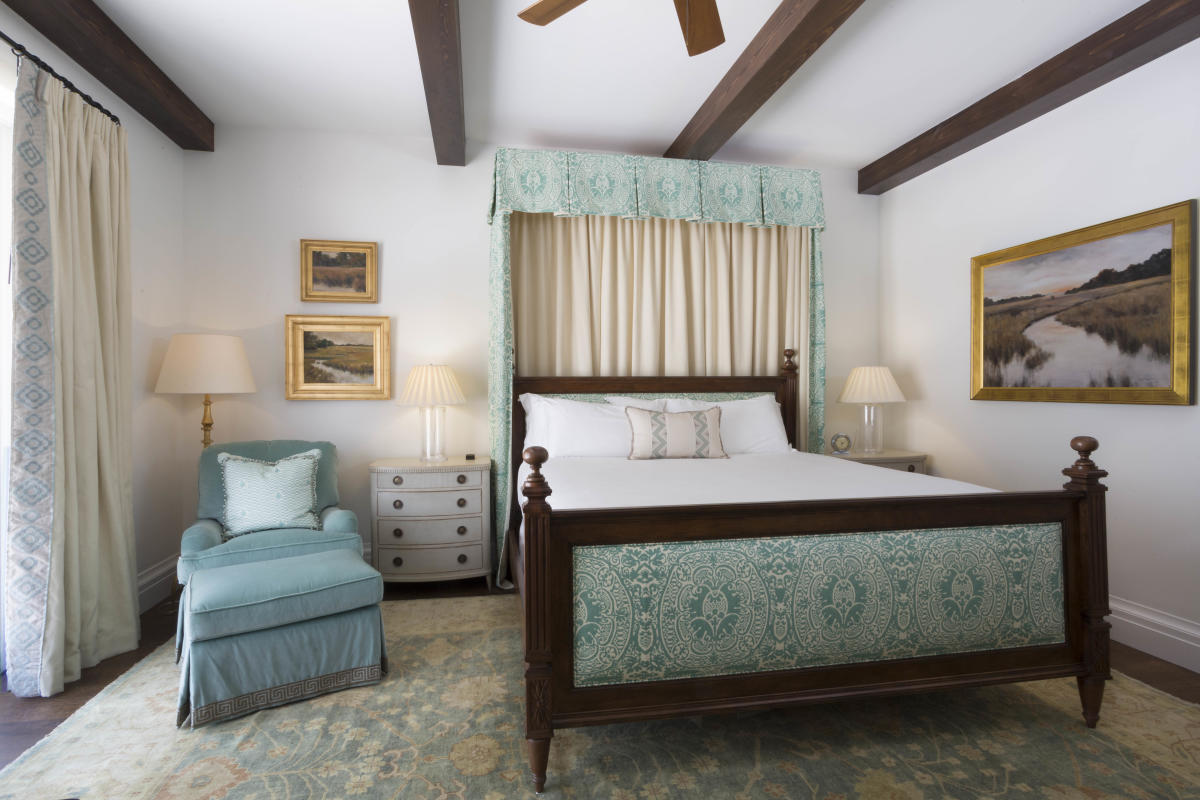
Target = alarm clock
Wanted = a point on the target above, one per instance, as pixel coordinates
(840, 443)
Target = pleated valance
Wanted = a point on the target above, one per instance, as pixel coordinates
(571, 184)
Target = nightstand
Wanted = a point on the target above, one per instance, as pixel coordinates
(903, 460)
(431, 522)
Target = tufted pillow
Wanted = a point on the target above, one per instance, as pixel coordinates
(265, 495)
(688, 434)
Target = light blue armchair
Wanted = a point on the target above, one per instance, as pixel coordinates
(204, 545)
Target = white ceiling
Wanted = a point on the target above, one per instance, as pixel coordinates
(610, 75)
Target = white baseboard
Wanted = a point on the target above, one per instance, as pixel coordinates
(1158, 633)
(156, 582)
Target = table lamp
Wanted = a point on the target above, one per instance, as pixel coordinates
(432, 387)
(207, 364)
(871, 386)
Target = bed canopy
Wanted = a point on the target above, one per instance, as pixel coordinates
(571, 184)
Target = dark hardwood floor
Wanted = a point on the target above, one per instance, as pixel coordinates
(23, 721)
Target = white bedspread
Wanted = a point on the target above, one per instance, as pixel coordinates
(750, 478)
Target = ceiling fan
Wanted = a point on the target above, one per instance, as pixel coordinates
(699, 20)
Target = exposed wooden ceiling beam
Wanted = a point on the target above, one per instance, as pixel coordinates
(86, 34)
(790, 37)
(439, 48)
(1135, 39)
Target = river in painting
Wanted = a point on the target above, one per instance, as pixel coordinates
(1078, 358)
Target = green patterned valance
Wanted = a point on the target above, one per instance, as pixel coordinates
(614, 185)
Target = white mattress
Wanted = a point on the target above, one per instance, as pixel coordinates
(751, 478)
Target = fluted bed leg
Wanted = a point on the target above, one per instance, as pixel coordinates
(1091, 694)
(539, 756)
(539, 660)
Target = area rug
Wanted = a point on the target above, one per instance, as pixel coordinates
(446, 723)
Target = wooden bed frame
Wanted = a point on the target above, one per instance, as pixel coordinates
(543, 571)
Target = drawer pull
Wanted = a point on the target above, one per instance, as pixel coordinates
(462, 530)
(397, 480)
(462, 502)
(398, 561)
(397, 504)
(462, 558)
(462, 478)
(912, 467)
(397, 532)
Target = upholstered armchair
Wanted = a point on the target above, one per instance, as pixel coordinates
(205, 545)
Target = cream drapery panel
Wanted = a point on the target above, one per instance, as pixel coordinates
(70, 580)
(598, 295)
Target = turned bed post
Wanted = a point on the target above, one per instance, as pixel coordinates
(538, 728)
(1085, 477)
(787, 403)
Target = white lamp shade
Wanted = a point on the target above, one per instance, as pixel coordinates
(431, 385)
(871, 385)
(205, 363)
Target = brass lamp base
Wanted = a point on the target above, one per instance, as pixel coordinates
(207, 422)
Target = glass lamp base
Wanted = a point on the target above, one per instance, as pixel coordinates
(432, 449)
(871, 435)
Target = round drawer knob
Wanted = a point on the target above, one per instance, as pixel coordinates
(397, 532)
(462, 558)
(462, 502)
(398, 561)
(397, 480)
(462, 478)
(397, 504)
(462, 530)
(912, 467)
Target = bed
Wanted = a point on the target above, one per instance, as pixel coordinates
(664, 608)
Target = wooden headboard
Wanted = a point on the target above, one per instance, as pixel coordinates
(783, 386)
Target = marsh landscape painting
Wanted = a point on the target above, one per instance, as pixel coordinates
(1095, 312)
(338, 272)
(332, 357)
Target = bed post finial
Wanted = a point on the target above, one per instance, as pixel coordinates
(788, 364)
(1085, 477)
(538, 655)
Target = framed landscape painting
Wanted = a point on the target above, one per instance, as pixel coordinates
(339, 272)
(1098, 315)
(338, 358)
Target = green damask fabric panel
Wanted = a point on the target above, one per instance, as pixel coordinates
(535, 181)
(668, 187)
(501, 366)
(602, 184)
(731, 193)
(697, 609)
(792, 197)
(816, 346)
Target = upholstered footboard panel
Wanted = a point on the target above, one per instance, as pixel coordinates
(697, 609)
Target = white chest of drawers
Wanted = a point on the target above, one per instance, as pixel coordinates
(431, 522)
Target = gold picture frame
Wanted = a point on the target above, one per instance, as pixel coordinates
(1097, 315)
(331, 358)
(339, 272)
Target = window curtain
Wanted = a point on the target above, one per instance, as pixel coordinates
(70, 574)
(611, 296)
(573, 184)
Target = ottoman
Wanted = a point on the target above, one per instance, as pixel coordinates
(258, 635)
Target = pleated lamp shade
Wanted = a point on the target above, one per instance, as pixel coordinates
(431, 385)
(871, 385)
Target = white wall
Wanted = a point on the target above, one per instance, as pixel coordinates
(1127, 147)
(156, 210)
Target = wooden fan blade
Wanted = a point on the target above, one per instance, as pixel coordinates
(701, 25)
(546, 11)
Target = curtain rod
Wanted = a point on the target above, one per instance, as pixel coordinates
(20, 51)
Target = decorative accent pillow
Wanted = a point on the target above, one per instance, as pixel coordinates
(754, 425)
(688, 434)
(265, 495)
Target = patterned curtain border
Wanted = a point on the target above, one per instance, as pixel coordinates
(635, 187)
(31, 481)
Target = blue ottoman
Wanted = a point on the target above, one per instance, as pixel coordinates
(258, 635)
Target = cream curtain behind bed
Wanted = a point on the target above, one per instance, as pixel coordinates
(610, 296)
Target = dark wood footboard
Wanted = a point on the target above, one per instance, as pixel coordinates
(543, 565)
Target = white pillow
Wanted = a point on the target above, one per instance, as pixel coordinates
(646, 404)
(266, 495)
(569, 428)
(747, 426)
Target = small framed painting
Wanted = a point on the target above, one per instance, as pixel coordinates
(338, 358)
(1098, 315)
(339, 272)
